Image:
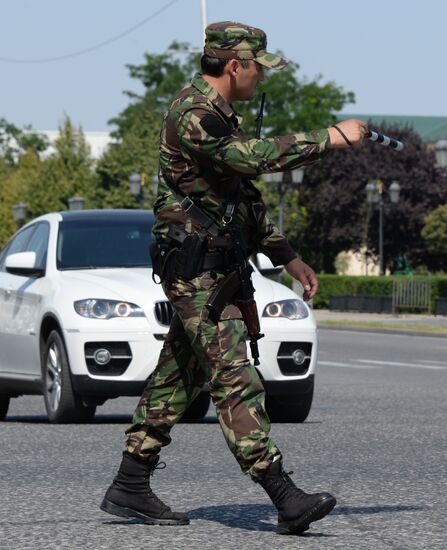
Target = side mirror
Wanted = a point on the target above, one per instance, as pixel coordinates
(23, 263)
(265, 266)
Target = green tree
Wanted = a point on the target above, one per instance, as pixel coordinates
(435, 231)
(46, 185)
(136, 151)
(162, 76)
(15, 142)
(293, 104)
(138, 126)
(339, 218)
(15, 187)
(67, 172)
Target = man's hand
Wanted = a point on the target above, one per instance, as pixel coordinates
(355, 130)
(305, 275)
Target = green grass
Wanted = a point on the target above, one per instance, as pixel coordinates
(404, 327)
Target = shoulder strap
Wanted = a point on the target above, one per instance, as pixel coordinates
(207, 222)
(191, 208)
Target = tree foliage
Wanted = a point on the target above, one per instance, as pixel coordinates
(161, 76)
(46, 185)
(14, 142)
(66, 173)
(326, 215)
(293, 104)
(435, 231)
(136, 151)
(17, 187)
(339, 218)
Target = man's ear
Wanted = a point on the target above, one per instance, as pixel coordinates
(233, 67)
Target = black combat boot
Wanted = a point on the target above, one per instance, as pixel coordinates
(131, 496)
(296, 509)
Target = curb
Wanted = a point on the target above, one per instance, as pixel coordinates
(401, 332)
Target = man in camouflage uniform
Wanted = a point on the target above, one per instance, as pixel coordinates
(205, 156)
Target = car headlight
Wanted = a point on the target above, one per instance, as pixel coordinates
(106, 309)
(291, 309)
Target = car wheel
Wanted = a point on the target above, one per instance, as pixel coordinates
(62, 404)
(289, 408)
(4, 405)
(198, 408)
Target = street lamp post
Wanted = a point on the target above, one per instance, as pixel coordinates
(154, 182)
(76, 203)
(136, 187)
(19, 212)
(284, 180)
(374, 195)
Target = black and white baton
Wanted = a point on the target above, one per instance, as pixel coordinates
(385, 140)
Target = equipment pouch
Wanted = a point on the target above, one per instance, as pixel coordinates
(189, 258)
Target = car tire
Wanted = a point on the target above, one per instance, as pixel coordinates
(4, 405)
(61, 402)
(198, 408)
(289, 408)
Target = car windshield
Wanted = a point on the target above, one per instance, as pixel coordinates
(96, 244)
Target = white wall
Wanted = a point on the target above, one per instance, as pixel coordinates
(98, 142)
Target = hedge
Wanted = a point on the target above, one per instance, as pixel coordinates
(339, 285)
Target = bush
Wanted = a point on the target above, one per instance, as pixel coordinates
(341, 285)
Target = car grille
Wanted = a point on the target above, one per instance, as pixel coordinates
(164, 313)
(120, 358)
(286, 353)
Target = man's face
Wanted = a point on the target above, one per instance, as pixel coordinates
(248, 80)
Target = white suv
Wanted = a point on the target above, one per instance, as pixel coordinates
(81, 320)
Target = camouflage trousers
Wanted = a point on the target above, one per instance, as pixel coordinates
(197, 351)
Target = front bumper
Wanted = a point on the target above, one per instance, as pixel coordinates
(86, 386)
(135, 354)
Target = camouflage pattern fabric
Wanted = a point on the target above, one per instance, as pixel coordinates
(204, 154)
(196, 351)
(229, 40)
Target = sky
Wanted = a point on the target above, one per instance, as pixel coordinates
(391, 53)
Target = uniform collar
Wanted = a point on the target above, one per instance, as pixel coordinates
(215, 98)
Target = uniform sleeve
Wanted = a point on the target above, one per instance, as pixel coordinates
(208, 139)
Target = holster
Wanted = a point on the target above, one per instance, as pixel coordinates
(185, 260)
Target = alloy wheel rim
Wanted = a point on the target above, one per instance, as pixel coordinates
(54, 377)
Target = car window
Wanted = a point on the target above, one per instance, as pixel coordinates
(18, 243)
(95, 244)
(39, 244)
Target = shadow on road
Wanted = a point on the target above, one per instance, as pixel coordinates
(123, 419)
(251, 517)
(262, 517)
(37, 419)
(101, 419)
(385, 508)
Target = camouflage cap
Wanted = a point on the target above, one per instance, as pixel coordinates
(228, 40)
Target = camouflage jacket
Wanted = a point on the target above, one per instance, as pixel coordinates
(204, 153)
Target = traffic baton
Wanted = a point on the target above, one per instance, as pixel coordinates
(385, 140)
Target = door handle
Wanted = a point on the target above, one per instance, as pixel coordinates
(8, 291)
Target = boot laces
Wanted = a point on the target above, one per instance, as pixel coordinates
(159, 466)
(286, 477)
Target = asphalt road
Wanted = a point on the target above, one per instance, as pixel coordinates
(376, 438)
